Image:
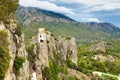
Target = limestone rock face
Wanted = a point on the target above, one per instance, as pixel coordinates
(16, 49)
(2, 26)
(64, 47)
(47, 48)
(41, 59)
(73, 48)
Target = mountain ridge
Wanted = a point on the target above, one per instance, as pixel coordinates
(59, 24)
(45, 15)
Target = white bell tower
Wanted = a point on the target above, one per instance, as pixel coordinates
(41, 35)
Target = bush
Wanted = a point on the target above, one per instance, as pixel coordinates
(70, 64)
(18, 30)
(68, 38)
(47, 74)
(7, 7)
(4, 54)
(3, 39)
(54, 69)
(31, 56)
(63, 69)
(4, 62)
(70, 78)
(18, 63)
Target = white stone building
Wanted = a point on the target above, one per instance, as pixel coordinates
(41, 35)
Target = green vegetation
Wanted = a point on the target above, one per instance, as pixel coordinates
(113, 47)
(68, 37)
(31, 56)
(63, 69)
(4, 62)
(69, 63)
(18, 63)
(47, 74)
(4, 54)
(7, 8)
(52, 72)
(83, 34)
(3, 39)
(70, 78)
(54, 69)
(88, 64)
(18, 30)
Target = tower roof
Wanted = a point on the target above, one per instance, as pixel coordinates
(41, 30)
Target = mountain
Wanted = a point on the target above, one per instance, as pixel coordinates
(28, 15)
(104, 26)
(53, 57)
(33, 18)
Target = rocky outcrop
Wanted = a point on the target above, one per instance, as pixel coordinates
(2, 27)
(78, 74)
(16, 49)
(47, 49)
(100, 46)
(100, 57)
(43, 51)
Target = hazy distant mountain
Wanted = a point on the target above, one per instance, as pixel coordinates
(104, 26)
(59, 24)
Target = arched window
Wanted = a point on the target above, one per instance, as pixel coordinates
(40, 36)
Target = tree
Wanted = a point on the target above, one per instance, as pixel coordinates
(7, 8)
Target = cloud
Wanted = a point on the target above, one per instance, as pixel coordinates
(88, 2)
(91, 20)
(46, 5)
(105, 7)
(96, 5)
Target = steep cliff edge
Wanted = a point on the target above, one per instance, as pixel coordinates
(16, 50)
(46, 59)
(57, 49)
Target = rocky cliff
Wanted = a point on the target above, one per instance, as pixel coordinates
(16, 49)
(23, 64)
(51, 48)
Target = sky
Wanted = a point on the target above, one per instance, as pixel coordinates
(81, 10)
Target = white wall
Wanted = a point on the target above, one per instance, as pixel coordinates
(41, 37)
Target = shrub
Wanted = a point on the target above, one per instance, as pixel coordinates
(31, 56)
(3, 39)
(70, 78)
(7, 7)
(47, 74)
(68, 38)
(54, 69)
(4, 62)
(18, 30)
(18, 63)
(63, 69)
(4, 54)
(70, 64)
